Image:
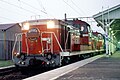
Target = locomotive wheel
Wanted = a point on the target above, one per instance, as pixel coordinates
(66, 60)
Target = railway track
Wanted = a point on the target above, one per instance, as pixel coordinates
(18, 74)
(6, 70)
(7, 73)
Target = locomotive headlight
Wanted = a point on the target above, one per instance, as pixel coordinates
(25, 26)
(50, 24)
(14, 53)
(18, 55)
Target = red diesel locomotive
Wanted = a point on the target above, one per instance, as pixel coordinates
(52, 42)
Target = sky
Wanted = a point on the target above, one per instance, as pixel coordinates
(12, 11)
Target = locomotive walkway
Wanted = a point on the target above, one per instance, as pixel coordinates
(105, 68)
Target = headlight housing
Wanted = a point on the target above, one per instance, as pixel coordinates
(50, 24)
(17, 54)
(25, 26)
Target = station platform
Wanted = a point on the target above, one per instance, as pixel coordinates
(104, 68)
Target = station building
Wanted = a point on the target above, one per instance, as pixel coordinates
(7, 38)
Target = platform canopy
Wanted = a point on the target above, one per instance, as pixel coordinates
(110, 18)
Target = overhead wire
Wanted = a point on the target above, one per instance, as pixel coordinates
(45, 12)
(71, 7)
(23, 8)
(18, 7)
(33, 7)
(78, 7)
(14, 11)
(41, 5)
(11, 11)
(78, 12)
(8, 10)
(6, 18)
(82, 11)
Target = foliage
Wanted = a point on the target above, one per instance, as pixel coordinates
(6, 63)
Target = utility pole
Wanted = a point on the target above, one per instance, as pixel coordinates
(106, 39)
(106, 31)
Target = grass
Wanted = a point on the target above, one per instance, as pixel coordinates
(5, 63)
(116, 54)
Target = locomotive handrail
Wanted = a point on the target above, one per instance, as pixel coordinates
(43, 39)
(55, 38)
(66, 39)
(26, 43)
(57, 41)
(68, 35)
(16, 37)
